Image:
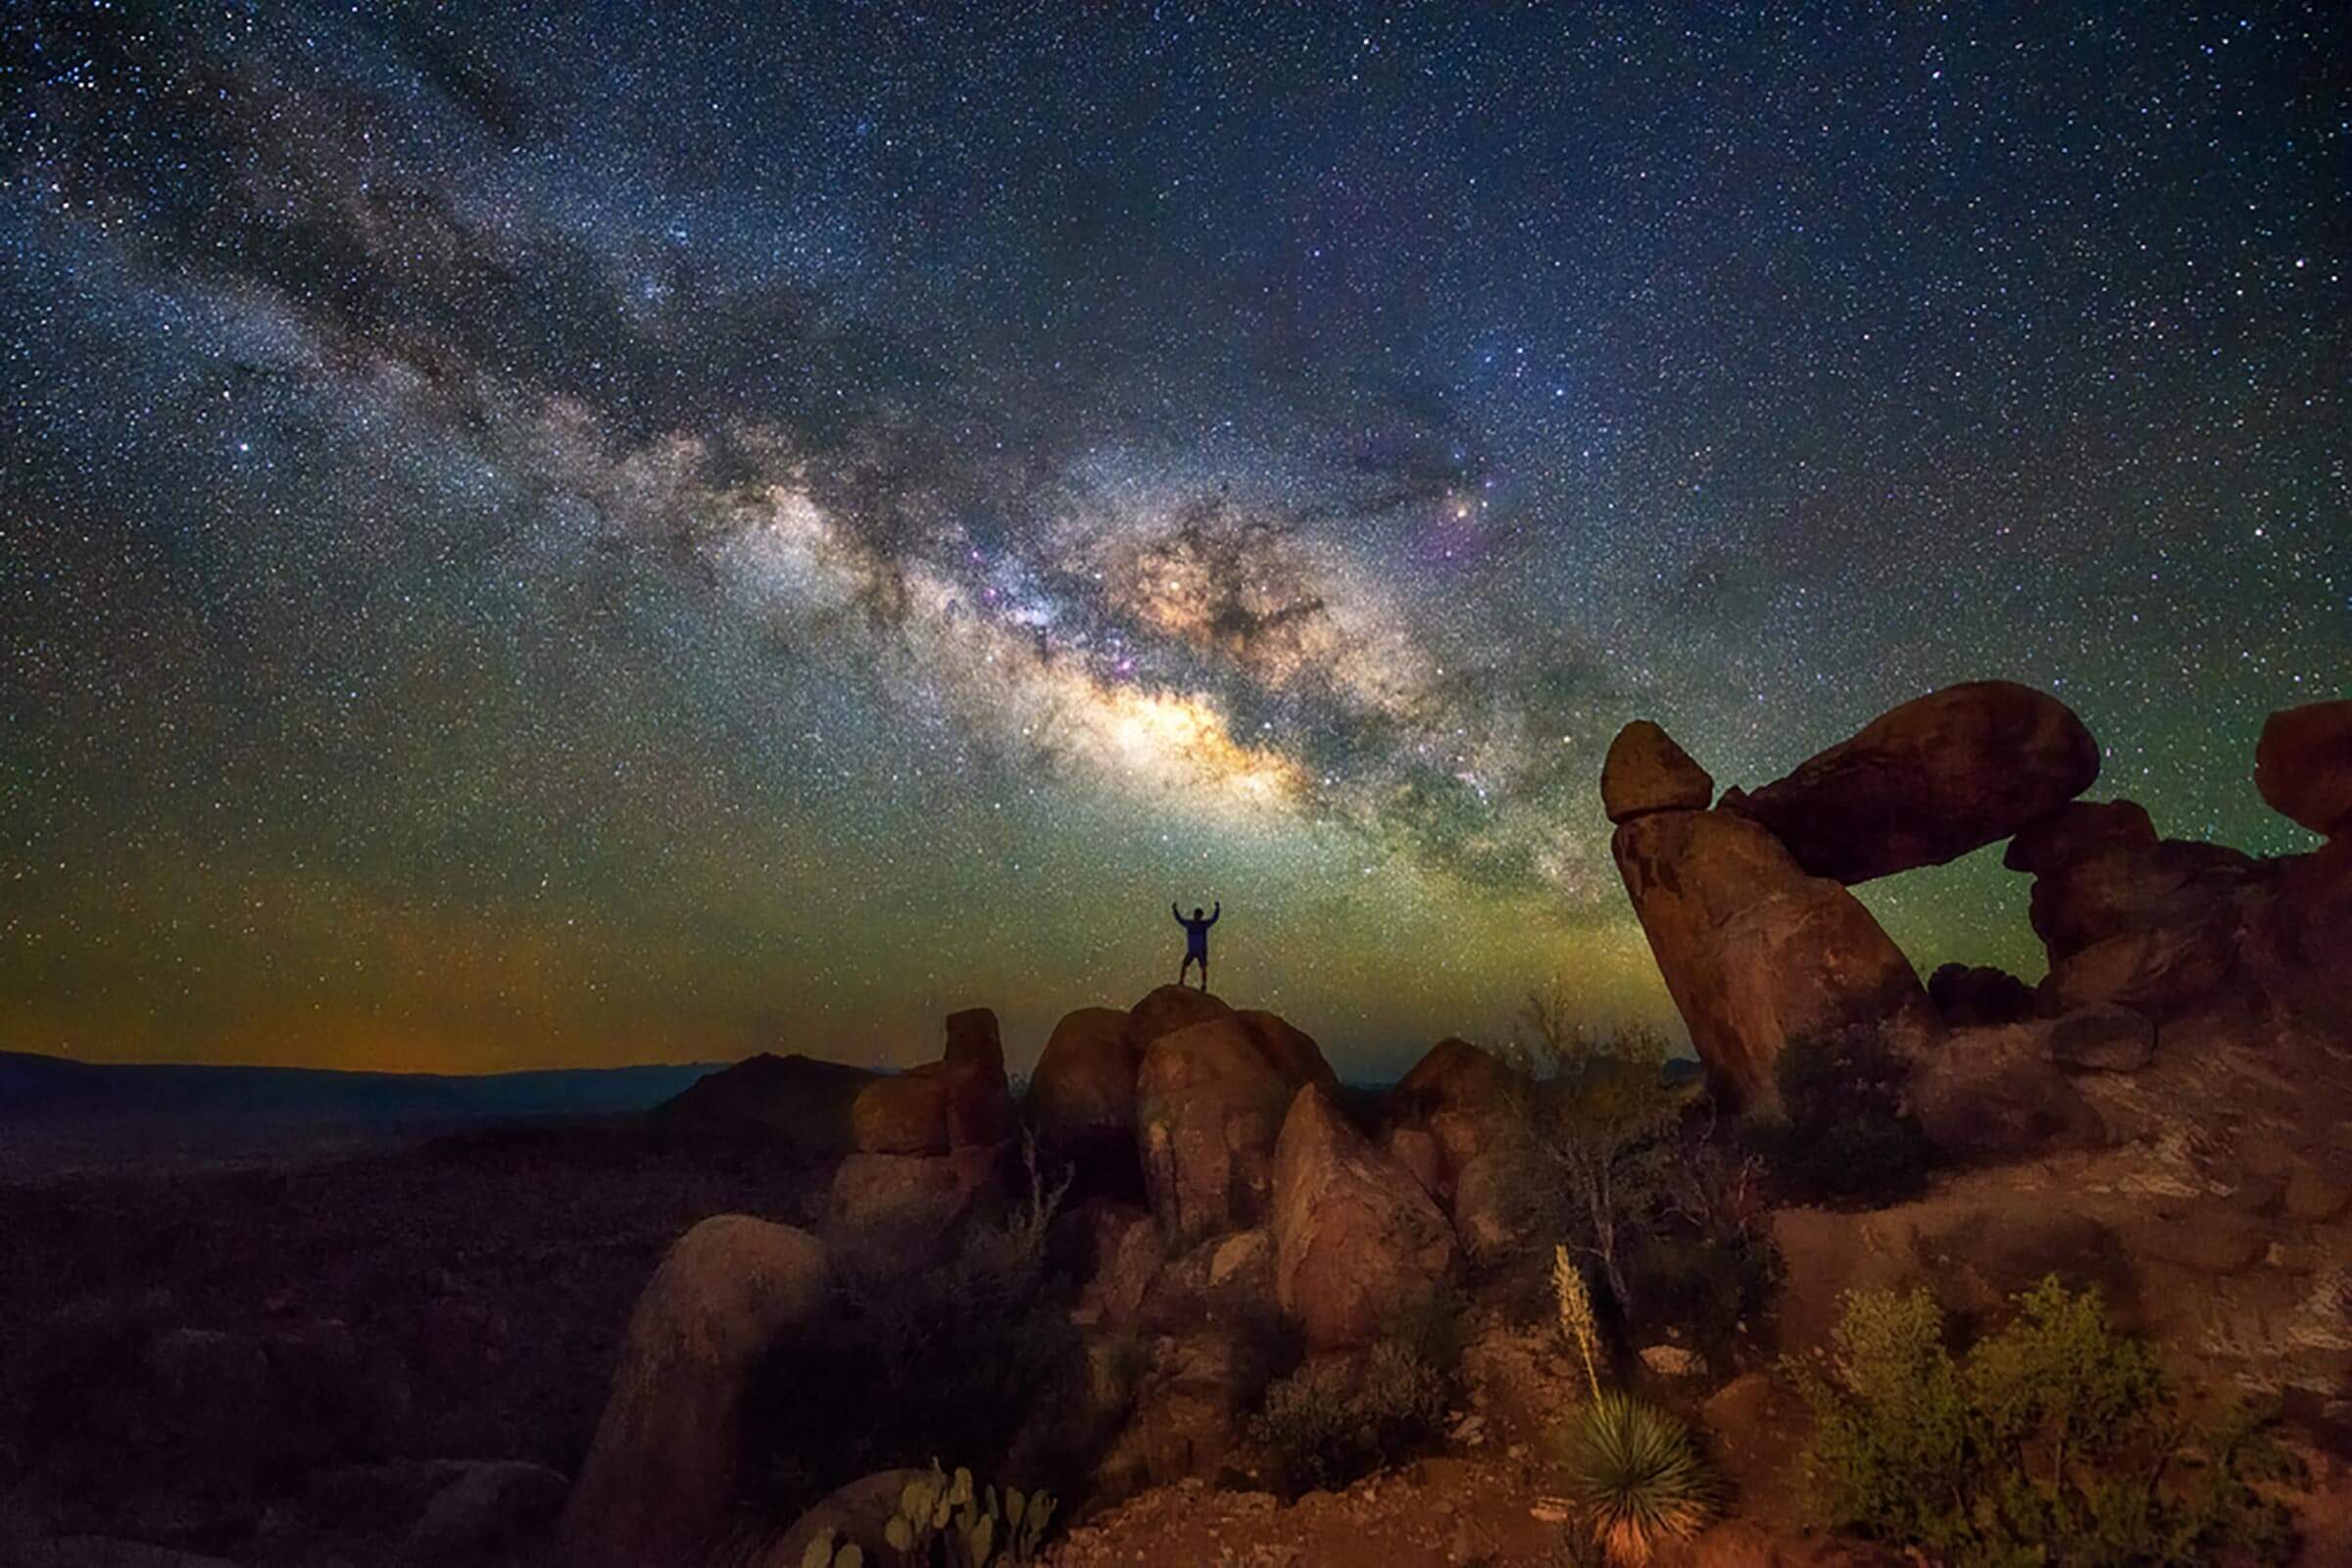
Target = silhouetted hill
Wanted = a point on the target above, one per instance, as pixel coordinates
(799, 1099)
(38, 1088)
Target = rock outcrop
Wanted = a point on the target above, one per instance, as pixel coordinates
(1972, 998)
(1354, 1235)
(1462, 1101)
(1929, 781)
(1084, 1085)
(1646, 771)
(663, 1475)
(1211, 1100)
(957, 1102)
(2303, 765)
(1755, 952)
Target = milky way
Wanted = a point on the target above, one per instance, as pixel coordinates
(589, 534)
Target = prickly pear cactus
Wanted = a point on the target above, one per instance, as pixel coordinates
(945, 1521)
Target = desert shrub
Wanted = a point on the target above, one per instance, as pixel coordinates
(1845, 1133)
(1336, 1419)
(1431, 1327)
(949, 1356)
(1636, 1478)
(1595, 1116)
(2056, 1440)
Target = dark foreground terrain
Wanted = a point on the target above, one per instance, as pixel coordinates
(261, 1361)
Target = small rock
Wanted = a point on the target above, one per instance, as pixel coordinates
(1672, 1361)
(2102, 1039)
(2313, 1198)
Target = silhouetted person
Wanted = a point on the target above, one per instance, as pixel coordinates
(1196, 940)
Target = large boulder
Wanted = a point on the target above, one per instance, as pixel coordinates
(1461, 1101)
(663, 1475)
(2300, 947)
(1354, 1235)
(910, 1206)
(1754, 951)
(1172, 1007)
(1929, 781)
(2303, 765)
(1210, 1103)
(1084, 1085)
(2058, 838)
(1646, 771)
(1987, 1096)
(957, 1102)
(2151, 926)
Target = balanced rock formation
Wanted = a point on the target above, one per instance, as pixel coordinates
(2303, 765)
(1211, 1100)
(1929, 781)
(1755, 952)
(662, 1477)
(1646, 771)
(1354, 1235)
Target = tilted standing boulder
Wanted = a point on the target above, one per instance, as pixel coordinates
(1355, 1238)
(1929, 781)
(663, 1475)
(1754, 951)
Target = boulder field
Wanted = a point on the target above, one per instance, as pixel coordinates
(2160, 1116)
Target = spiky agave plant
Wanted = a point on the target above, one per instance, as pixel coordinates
(1636, 1477)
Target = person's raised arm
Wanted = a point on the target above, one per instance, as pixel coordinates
(1178, 913)
(1214, 914)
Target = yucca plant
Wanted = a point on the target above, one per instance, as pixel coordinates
(1577, 1323)
(1636, 1477)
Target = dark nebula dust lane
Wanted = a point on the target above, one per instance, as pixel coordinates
(601, 533)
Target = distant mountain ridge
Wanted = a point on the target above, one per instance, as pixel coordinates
(35, 1087)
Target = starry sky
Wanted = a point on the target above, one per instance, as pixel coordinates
(602, 533)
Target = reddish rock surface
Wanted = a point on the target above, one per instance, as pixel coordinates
(1754, 951)
(2058, 838)
(1461, 1098)
(1085, 1079)
(1210, 1103)
(1171, 1007)
(1354, 1236)
(662, 1481)
(1646, 770)
(1929, 781)
(2303, 765)
(973, 1040)
(959, 1101)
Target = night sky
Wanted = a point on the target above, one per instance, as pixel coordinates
(543, 535)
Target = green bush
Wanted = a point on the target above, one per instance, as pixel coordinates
(1636, 1479)
(2057, 1439)
(1846, 1133)
(1337, 1419)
